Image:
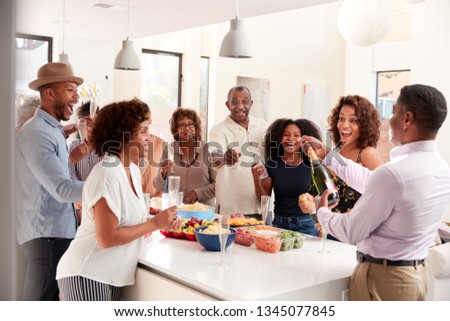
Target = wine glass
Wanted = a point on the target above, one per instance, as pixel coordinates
(224, 230)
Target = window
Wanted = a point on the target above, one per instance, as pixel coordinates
(204, 87)
(31, 53)
(389, 84)
(161, 87)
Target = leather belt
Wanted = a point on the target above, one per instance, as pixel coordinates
(361, 257)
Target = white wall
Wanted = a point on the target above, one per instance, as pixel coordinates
(426, 54)
(291, 48)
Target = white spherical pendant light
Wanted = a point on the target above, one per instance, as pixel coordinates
(364, 22)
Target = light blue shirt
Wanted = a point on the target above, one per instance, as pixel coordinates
(44, 190)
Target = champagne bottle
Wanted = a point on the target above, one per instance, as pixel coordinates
(322, 178)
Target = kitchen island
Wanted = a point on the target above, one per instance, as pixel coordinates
(172, 269)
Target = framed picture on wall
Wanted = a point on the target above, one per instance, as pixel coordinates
(260, 95)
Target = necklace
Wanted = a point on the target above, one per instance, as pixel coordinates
(295, 163)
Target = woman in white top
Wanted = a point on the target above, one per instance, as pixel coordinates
(103, 256)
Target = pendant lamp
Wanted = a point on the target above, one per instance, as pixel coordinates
(365, 23)
(236, 43)
(64, 57)
(127, 58)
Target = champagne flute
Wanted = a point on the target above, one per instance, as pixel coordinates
(313, 216)
(171, 153)
(237, 146)
(260, 163)
(174, 190)
(224, 230)
(265, 207)
(322, 247)
(93, 107)
(147, 201)
(82, 126)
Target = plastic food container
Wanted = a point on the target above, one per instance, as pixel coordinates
(298, 241)
(243, 238)
(267, 243)
(287, 243)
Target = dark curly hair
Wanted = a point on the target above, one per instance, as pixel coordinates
(272, 141)
(84, 110)
(179, 114)
(368, 121)
(116, 123)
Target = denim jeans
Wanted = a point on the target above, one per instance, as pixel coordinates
(42, 256)
(303, 224)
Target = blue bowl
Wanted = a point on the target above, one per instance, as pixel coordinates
(201, 215)
(211, 241)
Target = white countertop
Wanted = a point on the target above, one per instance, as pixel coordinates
(251, 274)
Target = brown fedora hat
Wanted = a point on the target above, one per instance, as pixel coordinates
(54, 72)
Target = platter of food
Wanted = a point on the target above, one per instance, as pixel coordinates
(239, 222)
(197, 210)
(187, 230)
(269, 239)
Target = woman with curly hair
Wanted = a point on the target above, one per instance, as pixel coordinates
(288, 172)
(355, 130)
(103, 256)
(191, 160)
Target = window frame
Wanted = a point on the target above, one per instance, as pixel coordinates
(206, 98)
(40, 38)
(180, 67)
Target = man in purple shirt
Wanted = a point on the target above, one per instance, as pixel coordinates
(396, 219)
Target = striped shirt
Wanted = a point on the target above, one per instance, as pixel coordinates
(80, 170)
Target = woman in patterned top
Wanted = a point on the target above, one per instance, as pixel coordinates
(355, 130)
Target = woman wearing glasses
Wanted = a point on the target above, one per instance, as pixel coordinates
(188, 158)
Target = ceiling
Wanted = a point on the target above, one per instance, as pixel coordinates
(147, 17)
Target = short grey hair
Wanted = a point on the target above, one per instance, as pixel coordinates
(27, 109)
(239, 88)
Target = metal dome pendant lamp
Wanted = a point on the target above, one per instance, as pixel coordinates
(236, 43)
(127, 58)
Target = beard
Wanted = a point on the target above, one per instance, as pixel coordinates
(60, 107)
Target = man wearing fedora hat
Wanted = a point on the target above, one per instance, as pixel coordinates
(45, 220)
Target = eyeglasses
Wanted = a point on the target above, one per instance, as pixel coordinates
(184, 125)
(244, 102)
